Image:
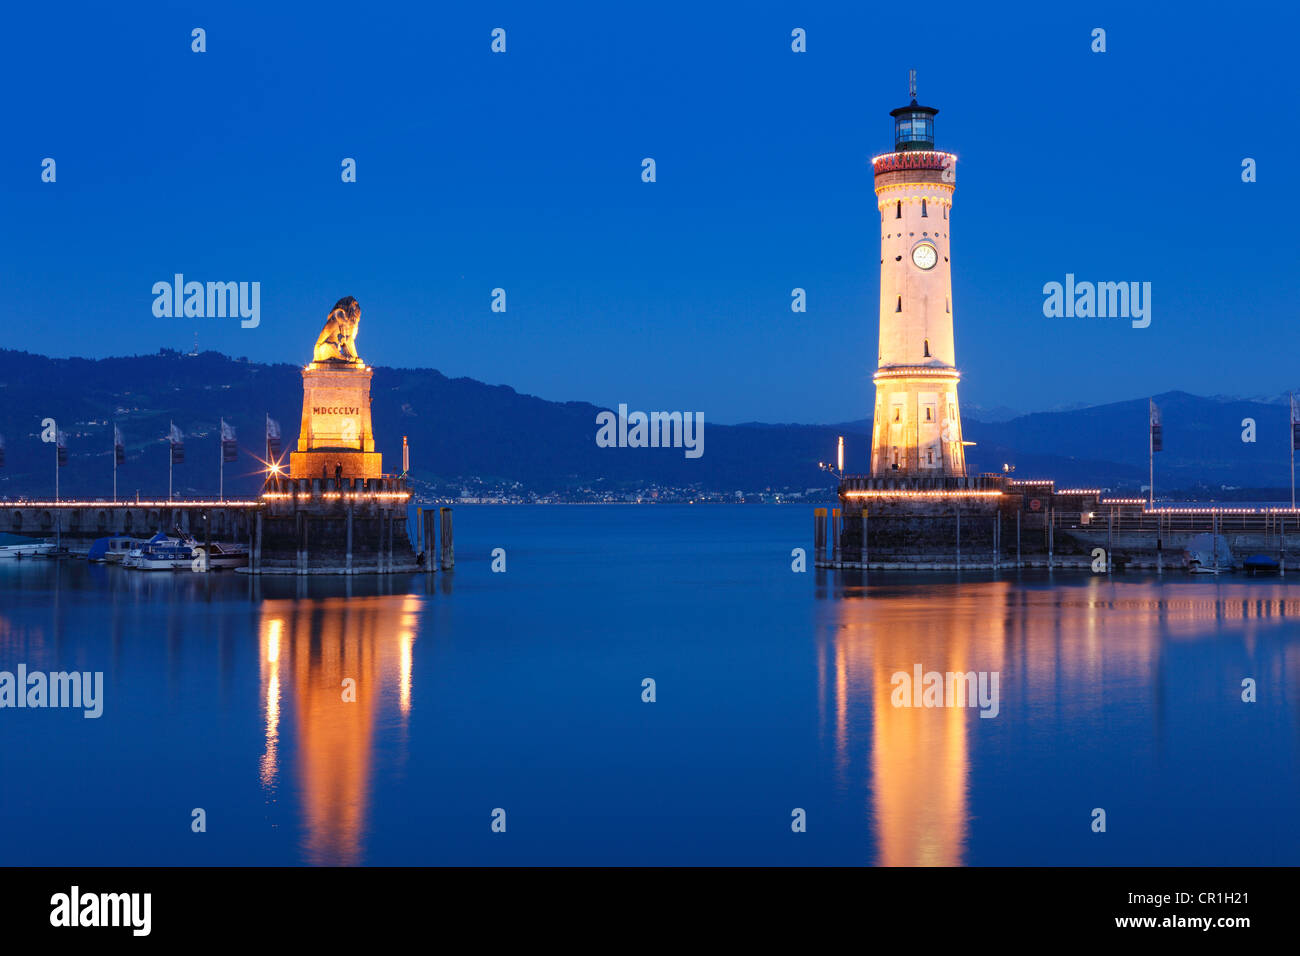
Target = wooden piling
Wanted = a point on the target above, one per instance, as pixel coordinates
(448, 549)
(997, 541)
(348, 558)
(819, 534)
(865, 550)
(1110, 537)
(257, 545)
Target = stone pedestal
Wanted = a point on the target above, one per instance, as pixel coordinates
(336, 438)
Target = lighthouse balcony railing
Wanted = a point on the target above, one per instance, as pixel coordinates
(915, 482)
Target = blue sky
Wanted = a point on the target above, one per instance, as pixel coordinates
(522, 171)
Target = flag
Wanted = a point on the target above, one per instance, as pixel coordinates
(272, 438)
(119, 447)
(1295, 423)
(177, 439)
(1157, 433)
(2, 451)
(228, 451)
(62, 441)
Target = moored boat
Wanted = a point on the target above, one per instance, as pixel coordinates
(34, 549)
(224, 555)
(163, 553)
(113, 549)
(1208, 554)
(1261, 564)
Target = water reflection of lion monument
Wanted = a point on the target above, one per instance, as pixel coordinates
(337, 341)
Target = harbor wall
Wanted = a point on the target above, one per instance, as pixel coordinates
(226, 521)
(990, 522)
(333, 526)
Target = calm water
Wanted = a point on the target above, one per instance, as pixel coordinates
(523, 690)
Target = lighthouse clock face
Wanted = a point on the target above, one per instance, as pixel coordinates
(925, 256)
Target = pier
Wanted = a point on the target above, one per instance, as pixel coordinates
(989, 522)
(298, 526)
(84, 521)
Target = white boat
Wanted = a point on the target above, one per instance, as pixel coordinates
(35, 549)
(1208, 554)
(223, 555)
(161, 553)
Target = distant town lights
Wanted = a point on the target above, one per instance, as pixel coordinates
(887, 493)
(175, 503)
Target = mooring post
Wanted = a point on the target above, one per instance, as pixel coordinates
(347, 561)
(865, 528)
(1051, 538)
(959, 537)
(1017, 539)
(819, 534)
(419, 529)
(1281, 551)
(392, 530)
(1110, 537)
(448, 549)
(257, 545)
(430, 532)
(1214, 537)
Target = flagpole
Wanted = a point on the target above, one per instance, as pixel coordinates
(221, 461)
(56, 461)
(1292, 430)
(171, 456)
(114, 462)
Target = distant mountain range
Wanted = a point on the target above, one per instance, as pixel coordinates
(463, 430)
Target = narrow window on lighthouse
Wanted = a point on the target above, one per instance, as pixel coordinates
(898, 211)
(946, 306)
(924, 214)
(929, 414)
(899, 307)
(927, 355)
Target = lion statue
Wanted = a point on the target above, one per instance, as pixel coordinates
(337, 341)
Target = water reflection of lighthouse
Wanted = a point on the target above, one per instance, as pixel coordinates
(919, 759)
(309, 648)
(1058, 652)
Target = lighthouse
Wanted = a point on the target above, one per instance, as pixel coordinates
(916, 429)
